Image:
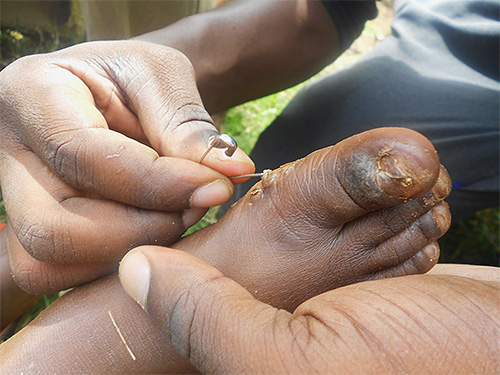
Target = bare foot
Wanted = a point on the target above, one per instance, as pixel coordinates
(341, 215)
(369, 207)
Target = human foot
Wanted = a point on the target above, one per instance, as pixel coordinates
(279, 250)
(369, 207)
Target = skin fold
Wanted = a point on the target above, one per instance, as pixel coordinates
(415, 324)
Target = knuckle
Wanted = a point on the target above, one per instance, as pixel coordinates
(306, 333)
(67, 157)
(190, 319)
(174, 56)
(29, 277)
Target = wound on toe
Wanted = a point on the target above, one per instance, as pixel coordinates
(393, 175)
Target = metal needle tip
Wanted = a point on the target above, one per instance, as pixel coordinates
(205, 153)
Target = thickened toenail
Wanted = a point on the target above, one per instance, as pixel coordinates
(432, 251)
(391, 167)
(393, 176)
(440, 219)
(442, 188)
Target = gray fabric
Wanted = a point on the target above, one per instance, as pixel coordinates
(437, 74)
(349, 18)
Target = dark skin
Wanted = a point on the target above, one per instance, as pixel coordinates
(434, 323)
(237, 325)
(248, 49)
(288, 240)
(111, 163)
(13, 300)
(89, 142)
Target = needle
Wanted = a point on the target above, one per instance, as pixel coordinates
(227, 142)
(247, 175)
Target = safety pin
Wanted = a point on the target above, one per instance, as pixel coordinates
(221, 141)
(227, 142)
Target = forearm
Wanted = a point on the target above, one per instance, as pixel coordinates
(249, 49)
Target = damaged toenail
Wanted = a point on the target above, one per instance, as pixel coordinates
(392, 168)
(442, 188)
(432, 251)
(394, 176)
(440, 219)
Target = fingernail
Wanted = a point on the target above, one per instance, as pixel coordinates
(192, 215)
(238, 157)
(212, 194)
(135, 273)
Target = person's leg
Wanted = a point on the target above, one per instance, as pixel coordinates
(483, 273)
(341, 215)
(416, 324)
(317, 210)
(121, 19)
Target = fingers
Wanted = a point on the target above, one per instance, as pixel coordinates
(36, 277)
(116, 167)
(157, 86)
(57, 223)
(213, 321)
(147, 92)
(398, 325)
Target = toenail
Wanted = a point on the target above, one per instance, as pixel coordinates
(432, 251)
(442, 188)
(389, 165)
(393, 176)
(440, 219)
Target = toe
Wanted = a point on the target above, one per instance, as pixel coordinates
(420, 263)
(414, 250)
(373, 170)
(379, 226)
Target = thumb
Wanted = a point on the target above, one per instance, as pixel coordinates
(212, 320)
(159, 86)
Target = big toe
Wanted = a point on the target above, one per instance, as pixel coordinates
(373, 170)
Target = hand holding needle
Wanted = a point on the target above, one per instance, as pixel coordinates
(227, 142)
